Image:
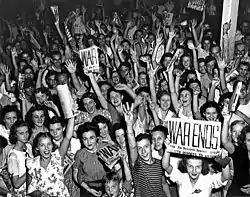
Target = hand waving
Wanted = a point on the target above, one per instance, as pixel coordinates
(71, 66)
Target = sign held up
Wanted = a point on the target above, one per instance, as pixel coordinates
(197, 5)
(195, 137)
(90, 59)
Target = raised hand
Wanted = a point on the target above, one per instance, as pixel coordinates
(152, 71)
(128, 113)
(71, 66)
(221, 63)
(193, 23)
(5, 69)
(159, 39)
(42, 67)
(94, 192)
(14, 52)
(172, 34)
(152, 105)
(215, 82)
(190, 45)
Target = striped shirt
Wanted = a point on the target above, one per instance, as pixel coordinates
(148, 179)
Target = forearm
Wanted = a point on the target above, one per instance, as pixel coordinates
(59, 30)
(223, 81)
(211, 93)
(75, 81)
(39, 80)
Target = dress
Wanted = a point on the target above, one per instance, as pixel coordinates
(16, 167)
(50, 180)
(90, 170)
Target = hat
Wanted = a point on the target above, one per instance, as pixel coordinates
(28, 82)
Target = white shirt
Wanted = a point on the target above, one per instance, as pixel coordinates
(203, 186)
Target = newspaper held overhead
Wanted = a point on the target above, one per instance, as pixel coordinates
(89, 58)
(194, 137)
(197, 5)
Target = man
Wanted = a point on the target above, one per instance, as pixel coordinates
(147, 171)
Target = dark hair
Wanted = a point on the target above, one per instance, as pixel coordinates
(13, 130)
(3, 142)
(116, 127)
(210, 104)
(86, 127)
(194, 81)
(37, 139)
(42, 90)
(143, 136)
(34, 108)
(183, 165)
(111, 176)
(224, 96)
(92, 96)
(55, 120)
(185, 89)
(50, 73)
(8, 109)
(142, 89)
(160, 128)
(112, 89)
(28, 67)
(242, 136)
(101, 119)
(164, 56)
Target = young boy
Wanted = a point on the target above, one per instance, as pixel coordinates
(113, 184)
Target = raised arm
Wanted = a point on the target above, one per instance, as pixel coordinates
(227, 143)
(66, 140)
(128, 114)
(166, 158)
(172, 90)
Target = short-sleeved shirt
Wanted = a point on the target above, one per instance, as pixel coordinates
(203, 186)
(50, 180)
(16, 167)
(89, 167)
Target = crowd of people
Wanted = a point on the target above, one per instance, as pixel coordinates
(152, 68)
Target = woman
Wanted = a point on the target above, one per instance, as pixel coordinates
(19, 136)
(210, 111)
(90, 108)
(240, 154)
(88, 170)
(194, 179)
(45, 171)
(10, 114)
(36, 117)
(105, 127)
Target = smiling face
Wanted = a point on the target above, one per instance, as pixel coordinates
(186, 62)
(194, 168)
(45, 147)
(38, 118)
(236, 131)
(120, 137)
(41, 98)
(115, 78)
(185, 98)
(89, 140)
(144, 149)
(165, 102)
(211, 114)
(89, 105)
(115, 98)
(158, 138)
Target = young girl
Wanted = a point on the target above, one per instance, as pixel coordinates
(104, 127)
(19, 136)
(194, 180)
(36, 118)
(46, 170)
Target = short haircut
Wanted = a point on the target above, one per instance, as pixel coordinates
(160, 128)
(86, 127)
(143, 136)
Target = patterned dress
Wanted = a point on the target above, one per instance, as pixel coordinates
(50, 180)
